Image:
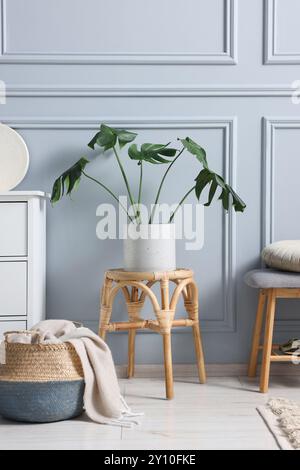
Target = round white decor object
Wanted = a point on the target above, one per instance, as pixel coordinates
(14, 158)
(283, 255)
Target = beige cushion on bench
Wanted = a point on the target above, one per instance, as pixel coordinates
(283, 255)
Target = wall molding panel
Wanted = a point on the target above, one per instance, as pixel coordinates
(271, 54)
(226, 57)
(270, 127)
(268, 182)
(229, 126)
(140, 91)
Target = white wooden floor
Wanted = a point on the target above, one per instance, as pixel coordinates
(219, 415)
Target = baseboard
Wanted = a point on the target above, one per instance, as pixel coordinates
(213, 370)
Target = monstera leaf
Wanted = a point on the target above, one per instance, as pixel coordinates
(206, 178)
(151, 153)
(107, 138)
(195, 149)
(68, 181)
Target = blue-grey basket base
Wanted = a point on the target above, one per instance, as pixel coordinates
(41, 402)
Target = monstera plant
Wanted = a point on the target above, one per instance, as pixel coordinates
(115, 140)
(158, 252)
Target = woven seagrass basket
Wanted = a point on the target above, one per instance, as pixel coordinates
(41, 383)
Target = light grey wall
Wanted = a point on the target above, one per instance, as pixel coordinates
(217, 70)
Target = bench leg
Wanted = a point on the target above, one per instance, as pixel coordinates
(257, 334)
(267, 349)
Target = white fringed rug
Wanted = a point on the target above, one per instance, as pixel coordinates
(282, 417)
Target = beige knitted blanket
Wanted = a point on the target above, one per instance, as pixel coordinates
(102, 398)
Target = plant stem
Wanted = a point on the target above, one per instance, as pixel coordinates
(125, 180)
(109, 191)
(140, 192)
(180, 204)
(161, 185)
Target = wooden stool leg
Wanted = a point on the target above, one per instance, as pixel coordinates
(131, 353)
(165, 318)
(134, 307)
(105, 311)
(168, 366)
(257, 334)
(191, 306)
(267, 350)
(199, 354)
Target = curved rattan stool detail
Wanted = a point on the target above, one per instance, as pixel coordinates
(136, 288)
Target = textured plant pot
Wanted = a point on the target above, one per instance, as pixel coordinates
(150, 247)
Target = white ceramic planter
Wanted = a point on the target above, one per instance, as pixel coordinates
(150, 247)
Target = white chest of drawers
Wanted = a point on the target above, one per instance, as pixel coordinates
(22, 259)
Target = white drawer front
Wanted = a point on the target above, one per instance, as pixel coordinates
(11, 326)
(13, 233)
(13, 289)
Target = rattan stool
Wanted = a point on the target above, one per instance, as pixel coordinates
(136, 286)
